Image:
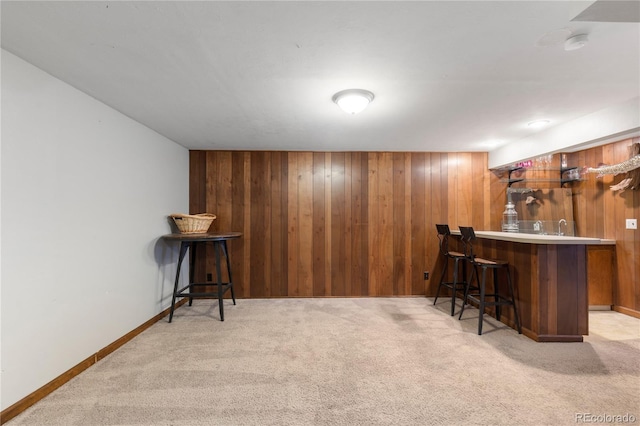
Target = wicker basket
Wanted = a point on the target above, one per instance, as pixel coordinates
(193, 223)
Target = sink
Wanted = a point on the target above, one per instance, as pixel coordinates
(546, 227)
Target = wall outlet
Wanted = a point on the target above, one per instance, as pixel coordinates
(209, 276)
(426, 275)
(632, 223)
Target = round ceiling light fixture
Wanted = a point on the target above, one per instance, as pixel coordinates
(537, 124)
(492, 143)
(576, 42)
(353, 101)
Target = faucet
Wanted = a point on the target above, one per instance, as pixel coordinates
(560, 222)
(538, 226)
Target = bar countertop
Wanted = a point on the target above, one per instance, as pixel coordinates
(517, 237)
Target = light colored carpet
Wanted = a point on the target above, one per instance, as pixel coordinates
(369, 361)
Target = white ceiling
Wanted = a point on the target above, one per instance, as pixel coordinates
(447, 75)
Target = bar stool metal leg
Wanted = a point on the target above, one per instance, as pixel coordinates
(496, 292)
(226, 255)
(454, 286)
(217, 249)
(468, 287)
(444, 272)
(192, 269)
(513, 300)
(482, 294)
(455, 283)
(184, 246)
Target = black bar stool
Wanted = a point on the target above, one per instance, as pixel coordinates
(458, 258)
(468, 236)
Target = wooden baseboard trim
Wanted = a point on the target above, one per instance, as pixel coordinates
(626, 311)
(599, 307)
(560, 338)
(530, 334)
(29, 400)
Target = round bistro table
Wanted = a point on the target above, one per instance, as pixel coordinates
(191, 242)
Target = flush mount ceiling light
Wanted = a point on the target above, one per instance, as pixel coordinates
(492, 143)
(353, 101)
(538, 124)
(576, 42)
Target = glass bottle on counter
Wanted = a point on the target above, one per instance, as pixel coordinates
(510, 218)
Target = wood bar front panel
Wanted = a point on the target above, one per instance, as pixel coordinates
(337, 223)
(550, 285)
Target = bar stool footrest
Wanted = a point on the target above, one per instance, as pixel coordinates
(183, 291)
(449, 285)
(502, 302)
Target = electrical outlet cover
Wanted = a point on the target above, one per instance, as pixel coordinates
(632, 223)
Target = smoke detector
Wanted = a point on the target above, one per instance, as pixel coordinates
(576, 42)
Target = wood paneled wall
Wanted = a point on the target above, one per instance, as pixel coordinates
(600, 212)
(362, 223)
(338, 223)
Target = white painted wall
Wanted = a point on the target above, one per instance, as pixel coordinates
(601, 127)
(85, 196)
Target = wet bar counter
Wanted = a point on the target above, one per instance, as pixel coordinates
(550, 278)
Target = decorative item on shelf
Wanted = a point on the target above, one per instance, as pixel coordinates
(532, 200)
(193, 223)
(544, 161)
(631, 167)
(573, 174)
(523, 164)
(510, 218)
